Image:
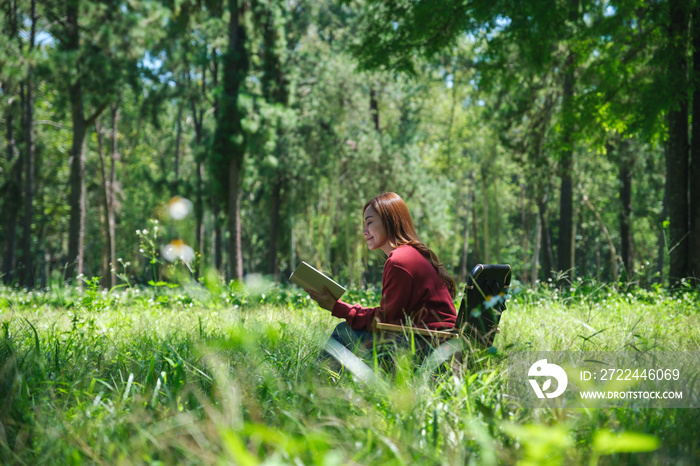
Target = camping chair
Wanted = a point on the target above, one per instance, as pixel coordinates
(477, 320)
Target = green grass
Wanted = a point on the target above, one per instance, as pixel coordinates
(224, 375)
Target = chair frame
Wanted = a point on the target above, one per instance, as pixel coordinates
(485, 284)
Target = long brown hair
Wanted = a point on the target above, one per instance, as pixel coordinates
(398, 224)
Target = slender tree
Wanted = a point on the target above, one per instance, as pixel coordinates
(677, 162)
(108, 165)
(229, 139)
(694, 172)
(626, 162)
(29, 159)
(11, 188)
(565, 249)
(198, 122)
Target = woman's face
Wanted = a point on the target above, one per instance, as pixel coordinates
(373, 230)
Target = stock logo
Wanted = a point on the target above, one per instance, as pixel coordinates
(543, 369)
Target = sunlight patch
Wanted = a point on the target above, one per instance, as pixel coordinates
(177, 250)
(178, 207)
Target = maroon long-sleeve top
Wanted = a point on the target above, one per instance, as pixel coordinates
(411, 287)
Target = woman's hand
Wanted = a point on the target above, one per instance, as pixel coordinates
(325, 299)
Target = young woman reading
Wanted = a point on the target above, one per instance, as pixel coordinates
(415, 285)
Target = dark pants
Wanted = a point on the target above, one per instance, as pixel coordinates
(351, 338)
(365, 343)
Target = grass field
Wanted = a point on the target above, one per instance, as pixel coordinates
(225, 375)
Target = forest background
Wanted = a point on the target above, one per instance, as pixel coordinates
(554, 136)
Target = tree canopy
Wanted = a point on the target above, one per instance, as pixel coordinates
(554, 136)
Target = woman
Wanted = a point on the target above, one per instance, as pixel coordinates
(415, 285)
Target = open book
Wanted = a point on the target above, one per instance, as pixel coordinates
(309, 278)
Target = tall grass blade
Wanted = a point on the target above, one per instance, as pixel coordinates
(128, 387)
(37, 346)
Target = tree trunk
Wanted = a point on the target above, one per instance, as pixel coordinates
(113, 189)
(486, 204)
(199, 219)
(217, 234)
(626, 163)
(76, 233)
(229, 136)
(607, 236)
(524, 243)
(109, 182)
(536, 253)
(465, 249)
(14, 162)
(475, 230)
(565, 247)
(218, 240)
(374, 109)
(292, 239)
(176, 163)
(77, 198)
(582, 259)
(383, 168)
(234, 224)
(547, 253)
(678, 151)
(275, 87)
(497, 228)
(106, 196)
(30, 150)
(464, 263)
(198, 119)
(694, 187)
(272, 268)
(199, 190)
(662, 239)
(14, 193)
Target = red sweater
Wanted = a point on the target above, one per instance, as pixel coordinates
(410, 287)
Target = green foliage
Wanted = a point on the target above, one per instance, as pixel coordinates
(471, 138)
(198, 380)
